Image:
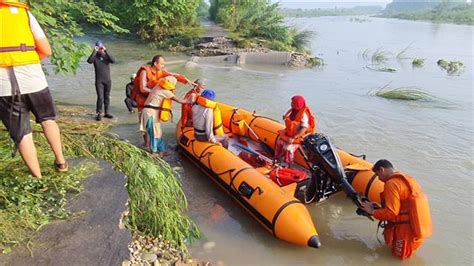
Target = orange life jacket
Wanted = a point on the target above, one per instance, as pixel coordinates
(187, 110)
(406, 232)
(152, 79)
(292, 126)
(414, 210)
(17, 44)
(218, 127)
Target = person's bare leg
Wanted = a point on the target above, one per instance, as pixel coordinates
(51, 131)
(146, 141)
(27, 151)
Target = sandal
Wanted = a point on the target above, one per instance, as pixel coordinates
(61, 167)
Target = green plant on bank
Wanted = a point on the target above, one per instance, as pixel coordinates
(62, 21)
(418, 62)
(259, 19)
(27, 203)
(156, 20)
(157, 201)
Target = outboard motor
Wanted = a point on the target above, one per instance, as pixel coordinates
(323, 155)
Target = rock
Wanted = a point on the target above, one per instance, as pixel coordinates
(156, 263)
(149, 257)
(154, 249)
(126, 263)
(190, 65)
(209, 245)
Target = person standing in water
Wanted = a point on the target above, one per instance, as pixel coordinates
(404, 211)
(102, 59)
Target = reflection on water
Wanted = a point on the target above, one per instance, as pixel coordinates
(430, 140)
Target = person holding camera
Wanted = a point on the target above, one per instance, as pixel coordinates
(102, 59)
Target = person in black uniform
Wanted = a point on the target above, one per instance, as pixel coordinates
(128, 93)
(103, 84)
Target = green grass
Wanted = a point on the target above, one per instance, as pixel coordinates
(404, 93)
(379, 56)
(157, 201)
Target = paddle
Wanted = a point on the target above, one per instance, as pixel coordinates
(254, 152)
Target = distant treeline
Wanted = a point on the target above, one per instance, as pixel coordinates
(443, 12)
(320, 12)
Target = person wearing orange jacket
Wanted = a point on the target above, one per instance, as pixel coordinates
(299, 121)
(148, 77)
(190, 97)
(23, 84)
(404, 208)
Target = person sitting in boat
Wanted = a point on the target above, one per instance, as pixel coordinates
(157, 109)
(207, 120)
(129, 102)
(299, 121)
(404, 208)
(190, 98)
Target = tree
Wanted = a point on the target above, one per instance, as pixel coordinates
(62, 21)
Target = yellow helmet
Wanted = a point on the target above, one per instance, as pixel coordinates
(168, 83)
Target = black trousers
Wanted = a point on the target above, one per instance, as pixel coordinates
(130, 104)
(103, 89)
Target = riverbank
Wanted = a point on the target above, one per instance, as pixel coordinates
(156, 200)
(462, 14)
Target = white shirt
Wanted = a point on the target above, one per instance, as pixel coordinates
(27, 78)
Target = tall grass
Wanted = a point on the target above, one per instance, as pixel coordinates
(259, 19)
(157, 201)
(403, 93)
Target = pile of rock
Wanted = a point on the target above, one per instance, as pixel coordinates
(208, 46)
(303, 60)
(154, 251)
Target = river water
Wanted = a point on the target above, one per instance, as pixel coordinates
(431, 140)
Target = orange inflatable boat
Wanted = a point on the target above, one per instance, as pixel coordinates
(276, 196)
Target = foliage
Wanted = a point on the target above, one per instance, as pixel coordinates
(27, 203)
(61, 20)
(155, 20)
(451, 67)
(203, 9)
(320, 12)
(258, 19)
(377, 57)
(418, 62)
(402, 93)
(156, 203)
(444, 12)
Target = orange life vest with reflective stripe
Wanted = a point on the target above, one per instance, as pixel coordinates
(415, 209)
(218, 127)
(292, 126)
(17, 44)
